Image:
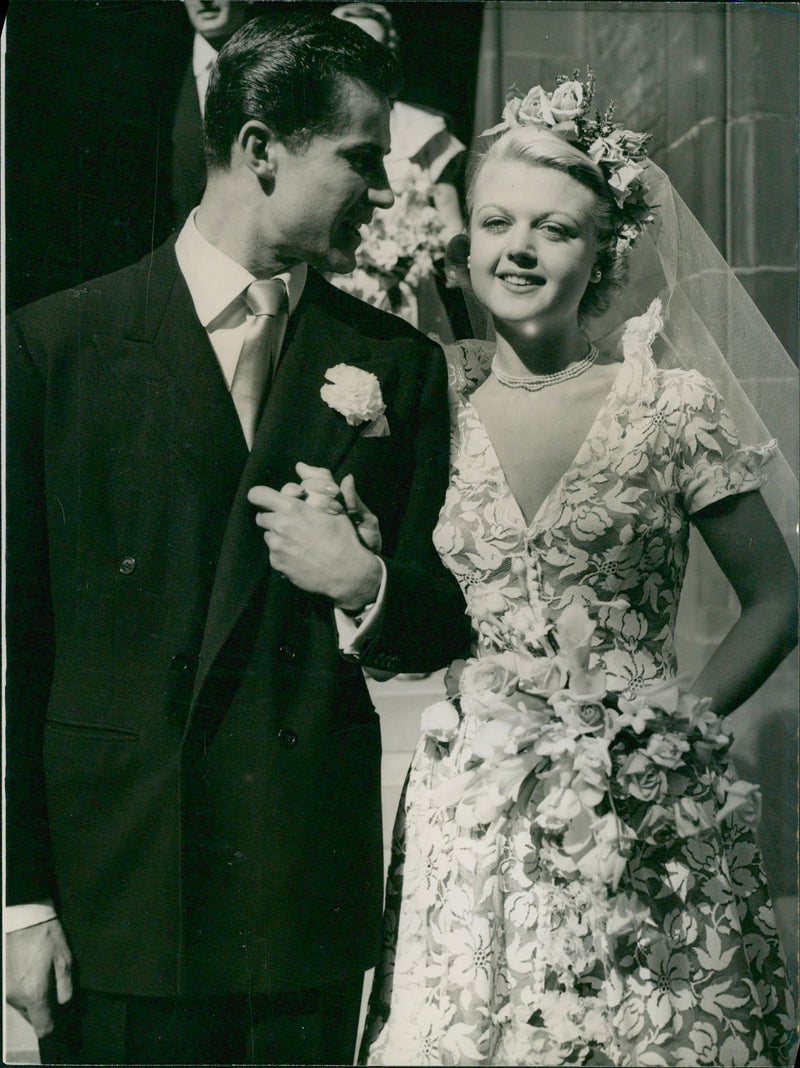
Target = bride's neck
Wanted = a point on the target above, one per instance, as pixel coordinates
(521, 348)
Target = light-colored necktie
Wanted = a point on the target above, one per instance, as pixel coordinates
(268, 303)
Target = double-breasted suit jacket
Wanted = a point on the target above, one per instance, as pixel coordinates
(193, 766)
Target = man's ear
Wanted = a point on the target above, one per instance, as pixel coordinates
(257, 143)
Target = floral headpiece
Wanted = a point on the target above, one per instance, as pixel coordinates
(619, 153)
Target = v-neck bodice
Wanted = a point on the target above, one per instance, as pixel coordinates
(579, 459)
(612, 533)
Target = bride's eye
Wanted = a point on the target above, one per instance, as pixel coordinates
(553, 230)
(494, 222)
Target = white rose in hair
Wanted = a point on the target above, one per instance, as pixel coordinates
(567, 101)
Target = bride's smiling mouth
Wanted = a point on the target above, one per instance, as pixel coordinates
(514, 280)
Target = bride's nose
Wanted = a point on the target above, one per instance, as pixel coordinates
(521, 247)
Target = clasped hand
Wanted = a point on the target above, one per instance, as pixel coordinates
(320, 538)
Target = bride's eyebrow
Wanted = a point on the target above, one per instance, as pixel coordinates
(548, 213)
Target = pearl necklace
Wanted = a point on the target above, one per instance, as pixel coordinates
(533, 383)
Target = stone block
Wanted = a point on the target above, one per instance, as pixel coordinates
(763, 191)
(696, 166)
(694, 68)
(764, 49)
(776, 295)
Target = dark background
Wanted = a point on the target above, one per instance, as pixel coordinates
(91, 87)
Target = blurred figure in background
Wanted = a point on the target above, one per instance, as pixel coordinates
(214, 22)
(400, 262)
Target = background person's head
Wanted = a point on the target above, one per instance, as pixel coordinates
(217, 20)
(292, 72)
(537, 148)
(374, 19)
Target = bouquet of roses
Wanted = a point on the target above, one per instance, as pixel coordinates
(399, 247)
(594, 771)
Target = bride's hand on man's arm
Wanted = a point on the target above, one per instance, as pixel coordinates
(318, 488)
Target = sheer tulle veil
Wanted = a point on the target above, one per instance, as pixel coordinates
(712, 324)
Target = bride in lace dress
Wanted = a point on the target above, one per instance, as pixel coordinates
(574, 876)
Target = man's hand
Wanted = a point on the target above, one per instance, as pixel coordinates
(318, 489)
(38, 965)
(318, 552)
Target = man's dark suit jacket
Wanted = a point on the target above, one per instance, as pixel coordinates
(211, 762)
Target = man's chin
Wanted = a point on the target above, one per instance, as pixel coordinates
(341, 261)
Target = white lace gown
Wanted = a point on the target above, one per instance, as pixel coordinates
(488, 959)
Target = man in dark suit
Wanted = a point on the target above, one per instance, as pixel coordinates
(193, 772)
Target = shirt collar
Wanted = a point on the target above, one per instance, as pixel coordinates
(215, 281)
(204, 55)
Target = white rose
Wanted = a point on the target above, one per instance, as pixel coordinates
(542, 674)
(667, 749)
(492, 674)
(535, 109)
(354, 393)
(567, 101)
(743, 798)
(440, 721)
(622, 178)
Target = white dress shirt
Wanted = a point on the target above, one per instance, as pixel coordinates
(216, 285)
(204, 56)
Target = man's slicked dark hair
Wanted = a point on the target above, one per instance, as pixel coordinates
(288, 71)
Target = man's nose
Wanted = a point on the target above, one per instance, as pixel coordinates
(380, 194)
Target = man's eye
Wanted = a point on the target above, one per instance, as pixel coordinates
(367, 165)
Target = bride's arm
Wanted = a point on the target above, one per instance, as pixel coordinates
(749, 548)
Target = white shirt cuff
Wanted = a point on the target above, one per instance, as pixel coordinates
(15, 917)
(354, 630)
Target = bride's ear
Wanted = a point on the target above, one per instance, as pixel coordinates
(456, 259)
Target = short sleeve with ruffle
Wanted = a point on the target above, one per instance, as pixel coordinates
(711, 461)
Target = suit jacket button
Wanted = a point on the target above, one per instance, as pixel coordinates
(127, 565)
(287, 737)
(288, 653)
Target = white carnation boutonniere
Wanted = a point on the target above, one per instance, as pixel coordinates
(356, 394)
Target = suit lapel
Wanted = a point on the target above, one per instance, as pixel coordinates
(165, 359)
(296, 425)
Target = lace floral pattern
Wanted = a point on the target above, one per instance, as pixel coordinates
(490, 957)
(613, 532)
